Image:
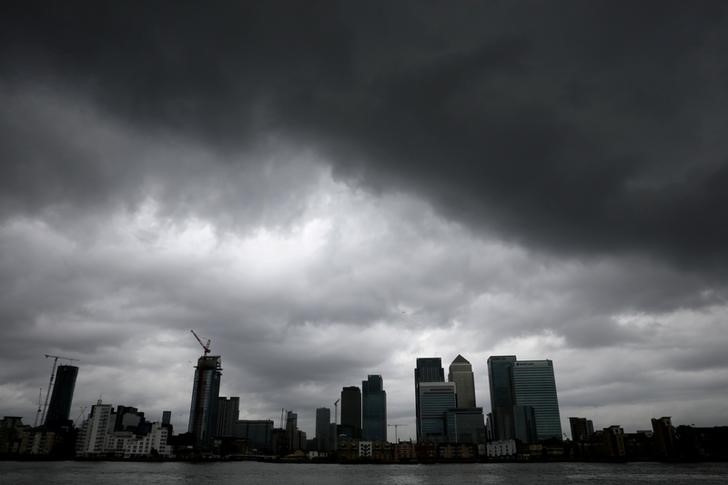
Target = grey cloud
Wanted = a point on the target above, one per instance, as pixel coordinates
(574, 163)
(600, 130)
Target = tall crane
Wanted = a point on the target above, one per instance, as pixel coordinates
(205, 345)
(50, 382)
(396, 427)
(40, 406)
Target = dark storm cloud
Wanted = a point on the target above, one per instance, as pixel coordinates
(580, 126)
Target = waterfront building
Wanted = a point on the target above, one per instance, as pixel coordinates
(205, 391)
(257, 432)
(428, 369)
(323, 426)
(465, 425)
(582, 429)
(461, 373)
(534, 385)
(436, 399)
(92, 436)
(501, 396)
(228, 412)
(374, 409)
(351, 411)
(523, 398)
(61, 397)
(291, 429)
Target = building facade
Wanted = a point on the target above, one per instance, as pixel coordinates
(461, 373)
(582, 429)
(93, 434)
(257, 432)
(351, 411)
(428, 369)
(465, 425)
(524, 401)
(374, 409)
(323, 426)
(228, 412)
(205, 391)
(62, 397)
(534, 385)
(501, 396)
(435, 399)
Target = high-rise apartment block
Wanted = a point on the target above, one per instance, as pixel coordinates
(374, 409)
(93, 433)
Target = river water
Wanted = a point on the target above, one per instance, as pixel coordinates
(253, 473)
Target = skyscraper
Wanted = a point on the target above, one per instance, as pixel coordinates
(523, 398)
(374, 409)
(534, 385)
(62, 396)
(228, 412)
(205, 391)
(501, 395)
(323, 426)
(291, 430)
(351, 411)
(461, 373)
(429, 369)
(435, 399)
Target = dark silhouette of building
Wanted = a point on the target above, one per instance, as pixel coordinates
(465, 425)
(582, 429)
(429, 369)
(128, 418)
(62, 397)
(461, 373)
(501, 396)
(664, 438)
(374, 409)
(205, 391)
(258, 434)
(291, 429)
(228, 412)
(523, 398)
(435, 399)
(351, 411)
(534, 385)
(323, 427)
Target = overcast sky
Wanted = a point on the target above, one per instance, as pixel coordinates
(332, 189)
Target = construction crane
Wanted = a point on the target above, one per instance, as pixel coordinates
(205, 346)
(396, 427)
(40, 403)
(50, 382)
(81, 414)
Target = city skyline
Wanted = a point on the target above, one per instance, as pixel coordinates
(329, 191)
(530, 390)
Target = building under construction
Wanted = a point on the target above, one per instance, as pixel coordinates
(205, 391)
